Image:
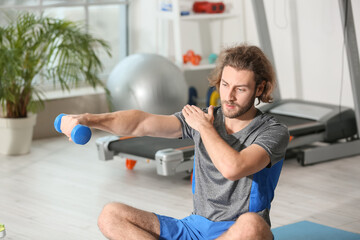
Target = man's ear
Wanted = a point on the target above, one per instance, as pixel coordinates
(260, 88)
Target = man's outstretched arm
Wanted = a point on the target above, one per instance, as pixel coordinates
(126, 123)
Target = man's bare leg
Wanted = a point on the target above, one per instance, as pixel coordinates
(120, 221)
(249, 226)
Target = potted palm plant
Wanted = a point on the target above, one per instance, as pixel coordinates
(37, 47)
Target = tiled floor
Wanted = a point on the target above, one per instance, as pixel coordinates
(58, 190)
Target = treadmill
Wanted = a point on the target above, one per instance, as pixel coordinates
(315, 129)
(319, 132)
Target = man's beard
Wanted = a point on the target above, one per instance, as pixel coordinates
(239, 110)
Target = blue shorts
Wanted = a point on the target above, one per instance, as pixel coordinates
(191, 228)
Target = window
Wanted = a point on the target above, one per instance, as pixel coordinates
(105, 19)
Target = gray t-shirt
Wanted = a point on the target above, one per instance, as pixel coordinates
(219, 199)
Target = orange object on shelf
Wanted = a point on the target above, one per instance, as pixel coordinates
(191, 57)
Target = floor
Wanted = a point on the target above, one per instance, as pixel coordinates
(58, 190)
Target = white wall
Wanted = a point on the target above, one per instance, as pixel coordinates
(142, 29)
(311, 72)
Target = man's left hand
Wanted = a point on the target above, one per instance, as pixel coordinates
(196, 118)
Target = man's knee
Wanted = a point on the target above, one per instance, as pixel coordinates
(119, 221)
(251, 218)
(112, 213)
(251, 226)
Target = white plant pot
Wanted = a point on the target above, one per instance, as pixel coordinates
(16, 135)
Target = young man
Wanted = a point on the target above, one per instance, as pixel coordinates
(238, 156)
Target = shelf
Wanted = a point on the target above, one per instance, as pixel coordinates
(170, 21)
(201, 16)
(197, 16)
(204, 66)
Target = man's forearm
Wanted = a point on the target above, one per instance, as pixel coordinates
(232, 164)
(224, 157)
(118, 123)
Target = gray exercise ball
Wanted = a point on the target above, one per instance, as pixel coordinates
(147, 82)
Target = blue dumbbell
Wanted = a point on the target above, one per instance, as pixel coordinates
(80, 134)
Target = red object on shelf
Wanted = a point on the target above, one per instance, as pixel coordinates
(190, 56)
(208, 7)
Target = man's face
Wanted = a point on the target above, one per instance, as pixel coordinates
(237, 92)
